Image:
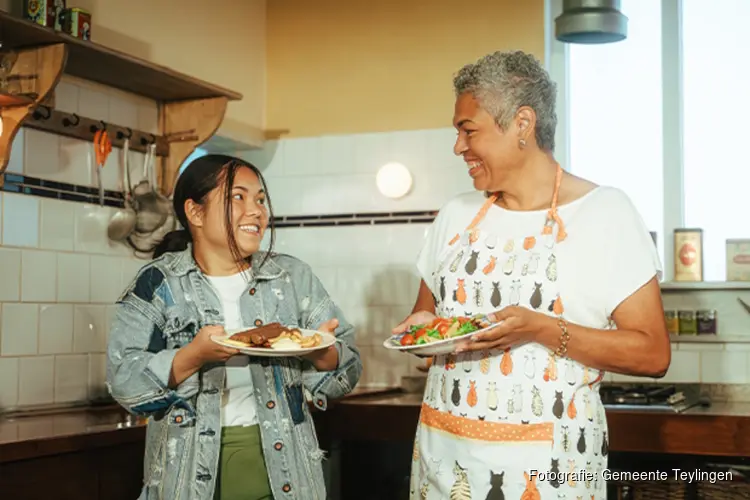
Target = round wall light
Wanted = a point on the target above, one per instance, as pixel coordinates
(393, 180)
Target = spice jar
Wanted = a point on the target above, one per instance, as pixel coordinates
(673, 323)
(706, 322)
(688, 323)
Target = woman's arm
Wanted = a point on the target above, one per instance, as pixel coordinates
(640, 346)
(325, 377)
(142, 374)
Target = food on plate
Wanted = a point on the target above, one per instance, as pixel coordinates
(257, 337)
(441, 329)
(293, 339)
(274, 336)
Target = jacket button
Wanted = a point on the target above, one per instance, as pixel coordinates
(320, 402)
(278, 446)
(271, 405)
(258, 322)
(252, 291)
(286, 488)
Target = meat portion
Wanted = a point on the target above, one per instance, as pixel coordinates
(258, 337)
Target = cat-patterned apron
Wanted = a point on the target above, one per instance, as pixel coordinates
(489, 419)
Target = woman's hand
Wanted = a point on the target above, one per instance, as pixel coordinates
(327, 359)
(515, 326)
(203, 350)
(418, 318)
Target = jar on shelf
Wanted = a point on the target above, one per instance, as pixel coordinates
(688, 323)
(706, 322)
(673, 322)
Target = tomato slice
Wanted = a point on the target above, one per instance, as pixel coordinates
(407, 339)
(420, 332)
(443, 327)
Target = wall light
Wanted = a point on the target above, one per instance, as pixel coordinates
(393, 180)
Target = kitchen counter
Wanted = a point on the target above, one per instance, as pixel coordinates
(35, 435)
(385, 414)
(723, 429)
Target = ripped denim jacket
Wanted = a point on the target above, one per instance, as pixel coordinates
(163, 308)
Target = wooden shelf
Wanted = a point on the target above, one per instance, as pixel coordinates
(11, 100)
(110, 67)
(710, 339)
(705, 285)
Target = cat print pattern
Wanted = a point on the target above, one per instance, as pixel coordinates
(492, 416)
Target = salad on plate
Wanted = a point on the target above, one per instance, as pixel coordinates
(441, 329)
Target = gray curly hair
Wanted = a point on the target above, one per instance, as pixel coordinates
(502, 82)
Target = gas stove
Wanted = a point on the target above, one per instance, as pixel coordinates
(656, 397)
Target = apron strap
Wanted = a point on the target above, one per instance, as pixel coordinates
(552, 215)
(477, 218)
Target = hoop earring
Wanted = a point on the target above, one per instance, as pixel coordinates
(522, 143)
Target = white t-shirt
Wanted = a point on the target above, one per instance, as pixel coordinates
(607, 255)
(238, 402)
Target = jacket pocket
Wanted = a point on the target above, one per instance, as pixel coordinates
(295, 398)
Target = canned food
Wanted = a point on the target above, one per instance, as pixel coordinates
(77, 22)
(688, 323)
(45, 12)
(706, 322)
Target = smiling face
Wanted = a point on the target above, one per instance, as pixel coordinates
(489, 152)
(245, 211)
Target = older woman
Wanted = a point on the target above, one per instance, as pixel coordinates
(568, 272)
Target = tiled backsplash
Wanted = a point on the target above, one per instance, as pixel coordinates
(60, 273)
(370, 270)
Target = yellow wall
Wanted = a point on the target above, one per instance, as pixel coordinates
(349, 66)
(222, 42)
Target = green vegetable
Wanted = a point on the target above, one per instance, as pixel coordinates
(434, 333)
(422, 340)
(466, 328)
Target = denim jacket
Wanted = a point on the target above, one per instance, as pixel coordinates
(162, 310)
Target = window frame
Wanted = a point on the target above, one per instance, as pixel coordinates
(556, 61)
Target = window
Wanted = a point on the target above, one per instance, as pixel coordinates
(195, 154)
(716, 104)
(615, 112)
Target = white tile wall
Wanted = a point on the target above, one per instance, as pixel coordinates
(370, 271)
(60, 274)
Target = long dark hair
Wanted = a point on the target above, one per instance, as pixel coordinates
(199, 178)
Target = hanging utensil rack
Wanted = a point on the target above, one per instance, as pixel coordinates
(72, 125)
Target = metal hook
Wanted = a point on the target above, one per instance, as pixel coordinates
(121, 135)
(38, 113)
(67, 123)
(94, 129)
(146, 142)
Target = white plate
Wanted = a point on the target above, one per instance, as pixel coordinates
(445, 346)
(267, 352)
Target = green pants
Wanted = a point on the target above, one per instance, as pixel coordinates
(242, 468)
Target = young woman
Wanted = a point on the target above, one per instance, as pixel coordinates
(222, 425)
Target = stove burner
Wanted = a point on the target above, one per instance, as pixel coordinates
(638, 395)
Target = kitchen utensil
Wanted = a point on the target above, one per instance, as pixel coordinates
(102, 148)
(151, 207)
(267, 352)
(122, 222)
(745, 305)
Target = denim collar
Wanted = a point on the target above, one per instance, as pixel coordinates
(184, 263)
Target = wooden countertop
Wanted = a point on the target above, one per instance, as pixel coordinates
(388, 414)
(721, 429)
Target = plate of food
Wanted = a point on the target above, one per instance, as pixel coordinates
(275, 340)
(441, 336)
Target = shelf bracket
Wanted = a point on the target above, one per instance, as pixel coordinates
(202, 118)
(46, 64)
